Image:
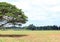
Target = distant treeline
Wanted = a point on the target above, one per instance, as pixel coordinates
(32, 27)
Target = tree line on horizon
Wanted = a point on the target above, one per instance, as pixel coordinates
(32, 27)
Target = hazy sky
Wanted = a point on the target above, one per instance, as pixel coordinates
(39, 12)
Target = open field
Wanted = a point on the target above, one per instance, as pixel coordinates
(30, 36)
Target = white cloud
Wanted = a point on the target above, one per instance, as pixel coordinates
(22, 5)
(55, 9)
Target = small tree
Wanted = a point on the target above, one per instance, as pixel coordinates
(31, 27)
(11, 14)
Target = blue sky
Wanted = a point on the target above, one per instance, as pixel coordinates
(39, 12)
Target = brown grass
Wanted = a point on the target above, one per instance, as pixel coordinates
(34, 37)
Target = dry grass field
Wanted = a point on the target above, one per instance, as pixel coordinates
(30, 36)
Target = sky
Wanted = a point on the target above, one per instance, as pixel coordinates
(39, 12)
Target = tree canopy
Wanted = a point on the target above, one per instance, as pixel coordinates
(11, 14)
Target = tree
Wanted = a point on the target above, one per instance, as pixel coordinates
(11, 14)
(31, 27)
(59, 28)
(55, 27)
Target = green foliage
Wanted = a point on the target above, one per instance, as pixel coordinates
(31, 27)
(10, 13)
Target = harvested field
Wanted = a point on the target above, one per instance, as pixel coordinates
(29, 36)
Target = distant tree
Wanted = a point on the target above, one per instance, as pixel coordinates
(59, 28)
(55, 27)
(31, 27)
(11, 14)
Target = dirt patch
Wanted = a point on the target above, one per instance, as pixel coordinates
(54, 35)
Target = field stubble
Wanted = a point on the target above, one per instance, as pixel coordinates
(31, 36)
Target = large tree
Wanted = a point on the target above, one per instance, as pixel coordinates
(11, 14)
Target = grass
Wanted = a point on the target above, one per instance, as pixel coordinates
(32, 36)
